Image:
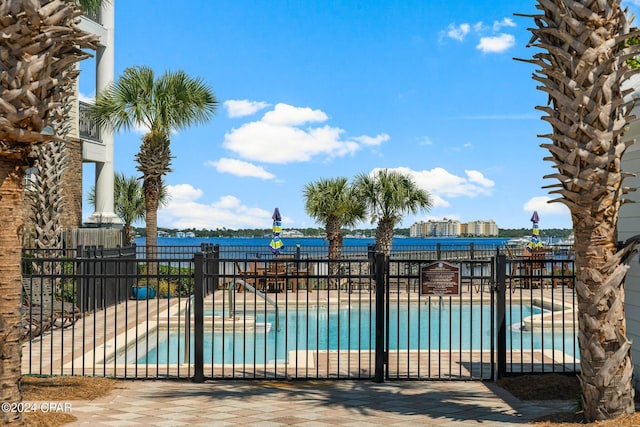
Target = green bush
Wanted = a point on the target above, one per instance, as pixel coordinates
(180, 279)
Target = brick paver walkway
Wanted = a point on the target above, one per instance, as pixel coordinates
(312, 404)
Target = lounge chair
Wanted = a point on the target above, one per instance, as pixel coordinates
(42, 310)
(35, 322)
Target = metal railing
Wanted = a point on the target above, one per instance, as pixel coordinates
(187, 313)
(88, 128)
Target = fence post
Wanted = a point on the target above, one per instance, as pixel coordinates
(501, 285)
(82, 280)
(215, 274)
(198, 306)
(380, 317)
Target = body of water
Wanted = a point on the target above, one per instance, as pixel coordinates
(417, 326)
(317, 241)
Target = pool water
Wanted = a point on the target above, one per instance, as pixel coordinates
(416, 326)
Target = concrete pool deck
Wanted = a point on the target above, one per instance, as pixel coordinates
(312, 404)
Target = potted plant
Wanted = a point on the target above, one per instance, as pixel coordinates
(143, 290)
(166, 289)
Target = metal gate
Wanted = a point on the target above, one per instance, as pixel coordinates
(317, 318)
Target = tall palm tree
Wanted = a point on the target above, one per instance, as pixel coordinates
(42, 41)
(582, 67)
(164, 104)
(389, 195)
(129, 202)
(333, 202)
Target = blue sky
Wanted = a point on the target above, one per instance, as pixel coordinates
(312, 89)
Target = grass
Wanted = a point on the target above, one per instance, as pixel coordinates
(61, 390)
(558, 387)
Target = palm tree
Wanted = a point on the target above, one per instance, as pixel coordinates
(389, 195)
(129, 202)
(333, 202)
(45, 196)
(162, 105)
(582, 67)
(40, 40)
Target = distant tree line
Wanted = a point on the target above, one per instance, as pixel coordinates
(319, 232)
(544, 232)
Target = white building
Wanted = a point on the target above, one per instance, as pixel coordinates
(97, 144)
(628, 226)
(482, 228)
(453, 228)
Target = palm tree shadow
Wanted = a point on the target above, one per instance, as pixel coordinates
(436, 399)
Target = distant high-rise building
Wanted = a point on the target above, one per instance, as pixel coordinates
(452, 228)
(482, 228)
(444, 228)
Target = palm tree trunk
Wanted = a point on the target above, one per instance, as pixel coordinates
(334, 235)
(384, 236)
(151, 186)
(11, 216)
(128, 234)
(605, 352)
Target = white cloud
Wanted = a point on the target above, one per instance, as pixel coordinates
(497, 44)
(458, 32)
(185, 211)
(542, 205)
(280, 137)
(372, 141)
(492, 43)
(243, 107)
(240, 168)
(477, 178)
(425, 140)
(442, 184)
(506, 22)
(288, 115)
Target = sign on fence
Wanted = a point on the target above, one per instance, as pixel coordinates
(440, 279)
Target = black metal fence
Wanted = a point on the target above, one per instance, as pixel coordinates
(219, 312)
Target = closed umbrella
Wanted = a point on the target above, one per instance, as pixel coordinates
(534, 241)
(276, 244)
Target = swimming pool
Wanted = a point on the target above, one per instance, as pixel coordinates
(411, 327)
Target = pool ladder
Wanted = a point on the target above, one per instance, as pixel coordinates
(231, 290)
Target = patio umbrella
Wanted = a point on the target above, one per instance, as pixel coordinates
(276, 244)
(534, 241)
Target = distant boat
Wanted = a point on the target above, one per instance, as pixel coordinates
(517, 242)
(568, 241)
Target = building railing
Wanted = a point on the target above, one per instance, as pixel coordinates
(88, 128)
(95, 16)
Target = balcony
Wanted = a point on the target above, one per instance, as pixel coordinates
(87, 128)
(94, 16)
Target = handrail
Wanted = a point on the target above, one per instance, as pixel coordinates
(231, 287)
